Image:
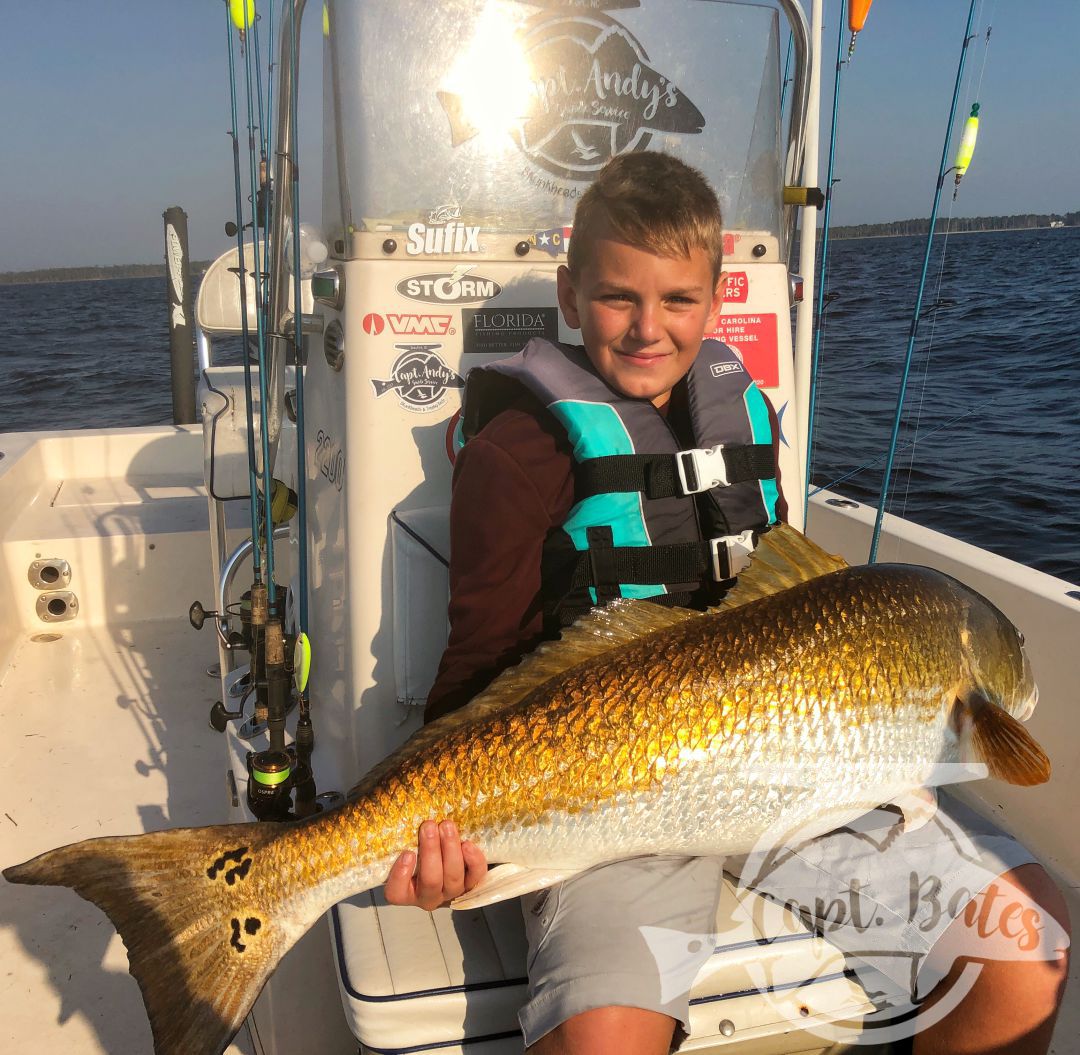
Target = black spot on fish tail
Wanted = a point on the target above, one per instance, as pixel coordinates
(252, 925)
(235, 941)
(229, 855)
(240, 872)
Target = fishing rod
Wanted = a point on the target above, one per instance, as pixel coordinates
(305, 734)
(916, 314)
(230, 21)
(271, 772)
(260, 323)
(262, 203)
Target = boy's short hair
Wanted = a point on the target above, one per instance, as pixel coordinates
(651, 201)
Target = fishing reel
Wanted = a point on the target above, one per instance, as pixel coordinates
(271, 775)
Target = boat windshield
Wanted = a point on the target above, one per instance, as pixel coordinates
(501, 112)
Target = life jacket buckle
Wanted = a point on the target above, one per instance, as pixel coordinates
(702, 469)
(731, 554)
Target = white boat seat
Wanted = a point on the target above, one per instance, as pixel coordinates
(445, 982)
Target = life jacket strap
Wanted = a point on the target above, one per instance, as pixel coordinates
(673, 475)
(679, 562)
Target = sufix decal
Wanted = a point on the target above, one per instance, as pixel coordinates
(407, 324)
(442, 238)
(459, 287)
(420, 378)
(594, 94)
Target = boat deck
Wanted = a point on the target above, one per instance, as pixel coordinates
(106, 730)
(107, 734)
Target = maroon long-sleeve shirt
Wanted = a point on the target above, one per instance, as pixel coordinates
(513, 484)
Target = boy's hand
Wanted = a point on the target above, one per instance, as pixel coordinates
(448, 867)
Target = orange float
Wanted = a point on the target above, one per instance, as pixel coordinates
(856, 19)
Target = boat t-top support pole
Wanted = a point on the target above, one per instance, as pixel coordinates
(819, 310)
(914, 332)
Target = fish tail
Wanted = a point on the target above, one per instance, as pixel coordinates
(198, 917)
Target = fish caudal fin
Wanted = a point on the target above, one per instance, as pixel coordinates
(192, 908)
(1010, 752)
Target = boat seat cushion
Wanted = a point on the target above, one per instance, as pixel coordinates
(413, 981)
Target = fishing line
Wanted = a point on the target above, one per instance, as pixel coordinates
(787, 74)
(881, 457)
(242, 272)
(986, 47)
(264, 403)
(898, 414)
(933, 311)
(937, 303)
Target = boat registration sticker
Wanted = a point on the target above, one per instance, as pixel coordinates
(736, 287)
(753, 338)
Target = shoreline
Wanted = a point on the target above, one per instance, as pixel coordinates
(11, 278)
(922, 234)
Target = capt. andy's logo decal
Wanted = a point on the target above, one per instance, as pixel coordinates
(459, 287)
(593, 93)
(420, 378)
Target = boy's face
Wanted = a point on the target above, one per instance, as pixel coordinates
(642, 317)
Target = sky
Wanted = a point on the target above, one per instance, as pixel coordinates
(113, 111)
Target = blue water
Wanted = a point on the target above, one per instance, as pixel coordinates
(997, 458)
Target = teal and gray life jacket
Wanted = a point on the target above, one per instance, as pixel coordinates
(649, 519)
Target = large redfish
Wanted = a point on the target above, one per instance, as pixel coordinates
(813, 694)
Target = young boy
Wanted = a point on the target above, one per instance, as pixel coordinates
(574, 486)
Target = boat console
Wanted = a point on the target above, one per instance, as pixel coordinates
(457, 140)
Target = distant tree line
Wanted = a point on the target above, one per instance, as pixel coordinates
(1020, 221)
(90, 274)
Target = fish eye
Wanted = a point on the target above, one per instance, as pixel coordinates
(1021, 637)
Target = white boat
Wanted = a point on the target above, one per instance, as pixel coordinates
(445, 222)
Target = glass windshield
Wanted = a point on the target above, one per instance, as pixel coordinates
(501, 112)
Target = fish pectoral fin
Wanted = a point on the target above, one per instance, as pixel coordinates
(507, 881)
(918, 807)
(1010, 752)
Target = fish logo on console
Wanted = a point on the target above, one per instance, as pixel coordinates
(594, 94)
(420, 378)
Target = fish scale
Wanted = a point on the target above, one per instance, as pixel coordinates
(621, 729)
